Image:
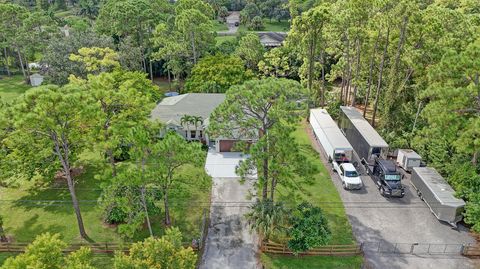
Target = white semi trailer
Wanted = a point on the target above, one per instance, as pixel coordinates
(336, 146)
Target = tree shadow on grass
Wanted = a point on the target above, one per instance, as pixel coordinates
(31, 228)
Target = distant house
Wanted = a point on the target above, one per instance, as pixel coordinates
(272, 39)
(189, 114)
(36, 80)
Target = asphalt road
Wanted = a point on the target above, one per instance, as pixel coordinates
(231, 20)
(230, 243)
(400, 232)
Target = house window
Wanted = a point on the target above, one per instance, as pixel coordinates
(201, 134)
(192, 134)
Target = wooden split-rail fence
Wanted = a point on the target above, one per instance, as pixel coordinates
(331, 250)
(105, 248)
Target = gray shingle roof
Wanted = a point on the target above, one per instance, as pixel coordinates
(171, 109)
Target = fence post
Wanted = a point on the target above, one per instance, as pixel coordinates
(395, 249)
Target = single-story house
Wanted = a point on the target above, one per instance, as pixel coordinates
(272, 39)
(188, 115)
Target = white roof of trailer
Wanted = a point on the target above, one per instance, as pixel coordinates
(411, 154)
(362, 125)
(330, 129)
(438, 185)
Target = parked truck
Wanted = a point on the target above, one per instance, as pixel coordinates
(337, 148)
(386, 177)
(432, 188)
(372, 152)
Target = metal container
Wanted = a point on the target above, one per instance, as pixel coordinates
(329, 135)
(366, 142)
(407, 159)
(437, 194)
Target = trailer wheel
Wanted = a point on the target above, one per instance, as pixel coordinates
(382, 191)
(419, 193)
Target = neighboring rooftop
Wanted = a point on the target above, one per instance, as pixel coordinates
(362, 125)
(171, 109)
(272, 39)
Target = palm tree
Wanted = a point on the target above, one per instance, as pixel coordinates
(267, 218)
(197, 120)
(186, 120)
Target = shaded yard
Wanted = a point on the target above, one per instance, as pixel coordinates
(33, 209)
(12, 87)
(321, 193)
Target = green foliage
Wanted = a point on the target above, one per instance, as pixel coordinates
(256, 23)
(249, 12)
(166, 252)
(46, 252)
(309, 228)
(267, 218)
(250, 50)
(216, 74)
(58, 51)
(96, 60)
(254, 110)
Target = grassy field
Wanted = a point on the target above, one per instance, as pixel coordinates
(12, 87)
(221, 39)
(269, 26)
(219, 26)
(321, 191)
(26, 219)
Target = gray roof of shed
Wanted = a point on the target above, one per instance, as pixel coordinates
(171, 109)
(362, 125)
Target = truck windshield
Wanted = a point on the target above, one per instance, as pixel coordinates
(340, 157)
(351, 174)
(392, 177)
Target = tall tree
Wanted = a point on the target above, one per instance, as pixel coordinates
(250, 50)
(168, 156)
(252, 110)
(56, 119)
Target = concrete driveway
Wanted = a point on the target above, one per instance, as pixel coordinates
(390, 228)
(231, 20)
(229, 243)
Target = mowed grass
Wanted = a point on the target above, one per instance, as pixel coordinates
(12, 87)
(322, 193)
(269, 26)
(318, 262)
(219, 26)
(30, 210)
(221, 39)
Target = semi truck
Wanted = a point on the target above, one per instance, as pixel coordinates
(432, 188)
(386, 177)
(372, 152)
(336, 146)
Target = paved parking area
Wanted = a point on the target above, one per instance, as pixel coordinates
(230, 243)
(390, 226)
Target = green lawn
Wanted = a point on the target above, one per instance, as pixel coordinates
(219, 26)
(221, 39)
(26, 219)
(269, 26)
(326, 262)
(12, 87)
(318, 193)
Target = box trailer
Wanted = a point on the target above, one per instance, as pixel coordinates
(437, 194)
(330, 137)
(366, 142)
(407, 159)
